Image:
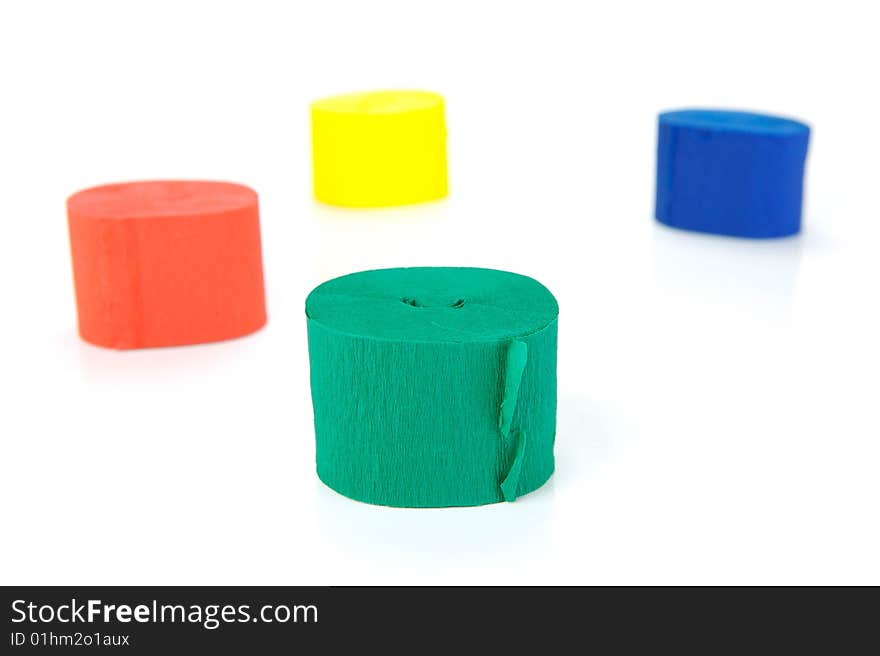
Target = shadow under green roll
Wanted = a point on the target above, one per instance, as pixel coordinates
(433, 386)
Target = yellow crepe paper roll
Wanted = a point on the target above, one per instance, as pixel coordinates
(379, 148)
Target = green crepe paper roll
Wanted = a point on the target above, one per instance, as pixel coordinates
(433, 386)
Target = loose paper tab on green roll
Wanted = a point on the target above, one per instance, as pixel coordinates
(433, 386)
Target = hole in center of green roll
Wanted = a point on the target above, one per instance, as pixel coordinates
(417, 303)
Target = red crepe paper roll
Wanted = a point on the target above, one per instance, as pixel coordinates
(166, 263)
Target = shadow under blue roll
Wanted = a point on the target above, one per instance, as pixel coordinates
(730, 173)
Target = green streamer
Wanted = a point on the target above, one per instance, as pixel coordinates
(433, 386)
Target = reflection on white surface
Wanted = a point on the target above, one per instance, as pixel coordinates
(751, 277)
(491, 536)
(99, 364)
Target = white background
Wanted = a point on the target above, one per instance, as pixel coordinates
(717, 398)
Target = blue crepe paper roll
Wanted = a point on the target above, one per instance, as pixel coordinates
(730, 173)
